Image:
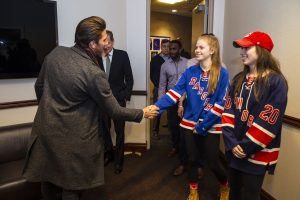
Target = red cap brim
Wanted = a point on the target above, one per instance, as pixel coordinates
(243, 43)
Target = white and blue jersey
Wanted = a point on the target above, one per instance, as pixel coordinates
(203, 111)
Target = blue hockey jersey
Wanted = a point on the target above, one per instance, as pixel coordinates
(255, 126)
(202, 111)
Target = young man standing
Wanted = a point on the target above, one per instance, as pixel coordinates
(155, 66)
(170, 73)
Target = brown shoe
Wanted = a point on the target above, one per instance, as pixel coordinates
(179, 170)
(172, 152)
(193, 195)
(224, 192)
(200, 173)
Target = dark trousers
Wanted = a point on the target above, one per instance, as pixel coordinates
(53, 192)
(244, 186)
(183, 155)
(120, 136)
(204, 148)
(173, 125)
(156, 121)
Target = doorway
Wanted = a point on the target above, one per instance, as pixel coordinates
(191, 19)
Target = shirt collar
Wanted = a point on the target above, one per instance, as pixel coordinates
(171, 60)
(110, 54)
(165, 57)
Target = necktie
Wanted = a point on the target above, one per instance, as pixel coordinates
(107, 65)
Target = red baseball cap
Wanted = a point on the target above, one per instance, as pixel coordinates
(255, 38)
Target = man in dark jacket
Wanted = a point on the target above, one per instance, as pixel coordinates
(116, 65)
(155, 66)
(66, 152)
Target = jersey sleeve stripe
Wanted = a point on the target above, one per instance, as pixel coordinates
(264, 157)
(259, 135)
(173, 95)
(187, 124)
(263, 130)
(215, 130)
(217, 110)
(218, 106)
(228, 120)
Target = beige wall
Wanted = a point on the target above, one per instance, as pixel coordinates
(280, 20)
(174, 26)
(197, 29)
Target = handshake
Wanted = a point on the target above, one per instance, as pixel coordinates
(151, 112)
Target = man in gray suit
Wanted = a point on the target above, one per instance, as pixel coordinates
(66, 150)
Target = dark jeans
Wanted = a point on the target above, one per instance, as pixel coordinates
(119, 126)
(244, 186)
(204, 148)
(173, 125)
(53, 192)
(183, 156)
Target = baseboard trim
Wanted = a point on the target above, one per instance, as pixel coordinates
(266, 196)
(135, 148)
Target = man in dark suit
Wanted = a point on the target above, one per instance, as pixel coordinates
(117, 66)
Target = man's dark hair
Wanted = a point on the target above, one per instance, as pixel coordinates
(163, 41)
(211, 34)
(111, 35)
(176, 42)
(89, 29)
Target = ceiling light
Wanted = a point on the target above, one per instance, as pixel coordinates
(171, 1)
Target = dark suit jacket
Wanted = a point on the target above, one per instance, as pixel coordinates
(155, 66)
(120, 75)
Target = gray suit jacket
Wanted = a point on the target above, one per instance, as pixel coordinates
(66, 146)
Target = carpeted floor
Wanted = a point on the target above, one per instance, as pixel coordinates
(150, 177)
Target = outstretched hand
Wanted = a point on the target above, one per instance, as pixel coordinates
(151, 111)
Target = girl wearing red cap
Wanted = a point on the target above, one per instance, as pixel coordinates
(252, 117)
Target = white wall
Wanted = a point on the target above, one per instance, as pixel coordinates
(280, 20)
(137, 48)
(129, 26)
(218, 21)
(285, 183)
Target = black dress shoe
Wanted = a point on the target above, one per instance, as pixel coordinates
(107, 160)
(200, 173)
(179, 170)
(108, 157)
(118, 169)
(172, 152)
(165, 125)
(156, 136)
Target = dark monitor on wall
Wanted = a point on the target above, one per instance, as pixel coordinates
(28, 32)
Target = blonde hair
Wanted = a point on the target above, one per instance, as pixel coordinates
(214, 73)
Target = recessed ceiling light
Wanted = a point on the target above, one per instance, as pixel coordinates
(170, 1)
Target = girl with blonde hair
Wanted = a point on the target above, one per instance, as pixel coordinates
(205, 85)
